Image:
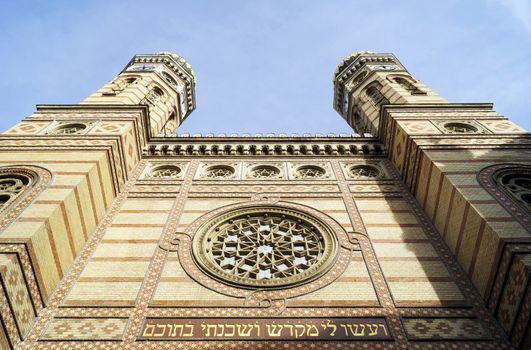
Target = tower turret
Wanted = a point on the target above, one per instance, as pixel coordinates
(163, 81)
(365, 80)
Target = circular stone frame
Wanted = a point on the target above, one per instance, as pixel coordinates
(209, 171)
(463, 128)
(209, 234)
(79, 127)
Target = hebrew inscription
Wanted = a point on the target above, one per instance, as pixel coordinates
(265, 328)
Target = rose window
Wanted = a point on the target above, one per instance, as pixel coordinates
(364, 172)
(165, 172)
(265, 172)
(310, 172)
(10, 187)
(518, 184)
(265, 247)
(68, 129)
(219, 172)
(460, 128)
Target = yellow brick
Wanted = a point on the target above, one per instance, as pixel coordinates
(404, 250)
(116, 269)
(412, 292)
(414, 269)
(125, 250)
(112, 291)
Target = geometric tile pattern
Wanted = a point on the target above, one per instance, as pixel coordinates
(513, 293)
(448, 328)
(423, 127)
(27, 128)
(16, 291)
(503, 127)
(85, 329)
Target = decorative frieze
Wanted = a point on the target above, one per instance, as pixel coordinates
(272, 147)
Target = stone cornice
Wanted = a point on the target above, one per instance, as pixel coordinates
(265, 147)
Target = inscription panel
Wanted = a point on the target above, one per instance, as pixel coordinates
(265, 329)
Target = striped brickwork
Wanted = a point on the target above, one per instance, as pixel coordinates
(78, 178)
(104, 242)
(139, 262)
(394, 93)
(135, 94)
(442, 171)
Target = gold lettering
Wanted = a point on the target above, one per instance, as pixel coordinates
(384, 328)
(230, 334)
(222, 332)
(149, 333)
(163, 326)
(373, 331)
(312, 330)
(208, 327)
(297, 327)
(245, 332)
(273, 332)
(290, 329)
(344, 329)
(191, 332)
(329, 325)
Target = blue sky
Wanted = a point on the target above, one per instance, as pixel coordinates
(265, 66)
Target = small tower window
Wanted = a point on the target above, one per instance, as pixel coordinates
(153, 96)
(375, 96)
(170, 80)
(408, 86)
(359, 78)
(119, 85)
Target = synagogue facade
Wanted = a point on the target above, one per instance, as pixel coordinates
(118, 233)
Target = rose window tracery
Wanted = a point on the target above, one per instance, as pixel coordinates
(219, 172)
(166, 172)
(518, 184)
(265, 247)
(364, 172)
(310, 172)
(10, 187)
(265, 172)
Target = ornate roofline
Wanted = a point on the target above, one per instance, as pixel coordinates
(267, 135)
(348, 68)
(176, 64)
(266, 147)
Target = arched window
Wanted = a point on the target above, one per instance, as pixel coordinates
(516, 182)
(359, 78)
(375, 96)
(358, 123)
(408, 86)
(153, 96)
(120, 84)
(510, 185)
(11, 187)
(16, 184)
(169, 79)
